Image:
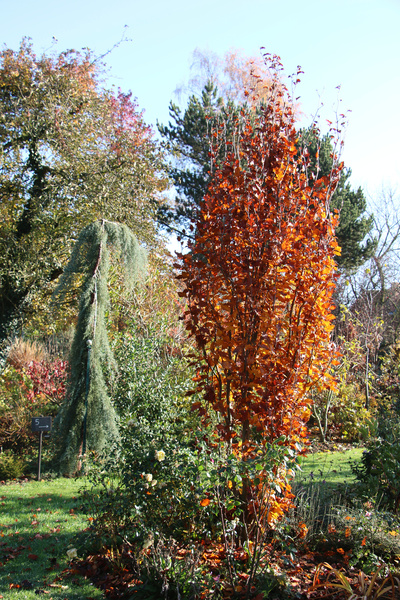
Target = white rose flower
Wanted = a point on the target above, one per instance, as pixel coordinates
(160, 455)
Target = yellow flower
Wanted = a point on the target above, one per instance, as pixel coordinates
(160, 455)
(148, 477)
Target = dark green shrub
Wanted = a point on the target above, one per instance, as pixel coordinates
(379, 469)
(11, 466)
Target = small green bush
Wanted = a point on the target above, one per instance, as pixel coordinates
(350, 418)
(11, 466)
(378, 472)
(369, 536)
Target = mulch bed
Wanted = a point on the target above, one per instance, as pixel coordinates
(119, 580)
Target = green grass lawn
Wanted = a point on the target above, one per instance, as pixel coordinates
(39, 522)
(325, 480)
(330, 468)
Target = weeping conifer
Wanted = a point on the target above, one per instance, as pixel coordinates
(87, 420)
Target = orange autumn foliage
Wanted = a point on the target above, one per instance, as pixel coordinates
(258, 280)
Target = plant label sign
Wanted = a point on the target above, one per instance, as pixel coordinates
(41, 424)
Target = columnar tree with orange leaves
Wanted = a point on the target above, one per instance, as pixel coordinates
(258, 280)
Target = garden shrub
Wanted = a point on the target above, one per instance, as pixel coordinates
(154, 417)
(367, 535)
(26, 391)
(356, 532)
(379, 469)
(183, 507)
(350, 419)
(175, 485)
(11, 466)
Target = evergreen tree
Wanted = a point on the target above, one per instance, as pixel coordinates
(87, 420)
(188, 138)
(354, 224)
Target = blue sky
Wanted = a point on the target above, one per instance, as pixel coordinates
(351, 43)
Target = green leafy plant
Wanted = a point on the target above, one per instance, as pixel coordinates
(138, 493)
(11, 466)
(369, 536)
(379, 469)
(104, 500)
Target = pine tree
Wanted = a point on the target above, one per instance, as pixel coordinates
(87, 420)
(354, 224)
(188, 139)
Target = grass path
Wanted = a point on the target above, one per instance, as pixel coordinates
(39, 522)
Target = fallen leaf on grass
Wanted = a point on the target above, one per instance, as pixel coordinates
(25, 585)
(33, 556)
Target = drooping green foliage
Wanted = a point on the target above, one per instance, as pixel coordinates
(87, 419)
